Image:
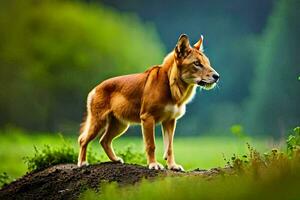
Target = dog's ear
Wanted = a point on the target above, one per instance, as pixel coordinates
(199, 44)
(182, 48)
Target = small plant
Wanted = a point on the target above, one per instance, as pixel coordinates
(92, 157)
(129, 155)
(49, 156)
(293, 141)
(248, 163)
(238, 131)
(4, 179)
(274, 161)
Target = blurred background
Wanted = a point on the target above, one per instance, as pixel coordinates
(53, 52)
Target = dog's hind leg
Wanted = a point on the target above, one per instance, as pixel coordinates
(115, 129)
(92, 128)
(96, 122)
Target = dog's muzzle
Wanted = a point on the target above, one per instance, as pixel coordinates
(202, 83)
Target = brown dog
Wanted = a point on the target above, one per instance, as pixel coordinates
(158, 95)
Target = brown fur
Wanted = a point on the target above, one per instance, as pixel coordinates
(82, 125)
(158, 95)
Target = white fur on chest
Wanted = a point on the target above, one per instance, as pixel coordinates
(174, 111)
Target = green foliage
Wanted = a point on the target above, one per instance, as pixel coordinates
(293, 141)
(257, 164)
(50, 156)
(130, 155)
(54, 52)
(273, 106)
(4, 179)
(238, 131)
(273, 175)
(279, 180)
(15, 145)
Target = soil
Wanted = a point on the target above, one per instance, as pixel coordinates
(67, 181)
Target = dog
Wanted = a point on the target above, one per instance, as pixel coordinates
(158, 95)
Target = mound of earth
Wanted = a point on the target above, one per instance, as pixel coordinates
(67, 181)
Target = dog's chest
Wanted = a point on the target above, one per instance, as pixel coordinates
(173, 111)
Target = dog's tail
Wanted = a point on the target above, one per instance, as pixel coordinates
(87, 114)
(82, 124)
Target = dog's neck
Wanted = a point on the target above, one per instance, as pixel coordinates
(181, 92)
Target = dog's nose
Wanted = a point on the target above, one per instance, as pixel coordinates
(216, 76)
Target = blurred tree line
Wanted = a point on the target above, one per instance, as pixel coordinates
(53, 52)
(252, 44)
(231, 30)
(273, 106)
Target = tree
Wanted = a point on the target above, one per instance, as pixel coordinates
(53, 52)
(274, 105)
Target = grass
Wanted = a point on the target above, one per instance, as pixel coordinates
(194, 152)
(273, 175)
(233, 188)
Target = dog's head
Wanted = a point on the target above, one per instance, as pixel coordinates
(193, 65)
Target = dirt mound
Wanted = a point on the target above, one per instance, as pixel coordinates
(67, 181)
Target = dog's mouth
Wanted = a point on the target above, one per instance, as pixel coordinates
(206, 85)
(202, 83)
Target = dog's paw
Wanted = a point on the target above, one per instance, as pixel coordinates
(175, 167)
(81, 164)
(156, 166)
(119, 160)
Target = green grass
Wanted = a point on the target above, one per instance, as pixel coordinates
(202, 152)
(233, 188)
(272, 175)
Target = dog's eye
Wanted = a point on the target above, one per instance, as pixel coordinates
(198, 65)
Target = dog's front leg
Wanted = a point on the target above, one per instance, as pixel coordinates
(148, 124)
(168, 128)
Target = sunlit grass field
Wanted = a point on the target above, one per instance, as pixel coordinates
(191, 152)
